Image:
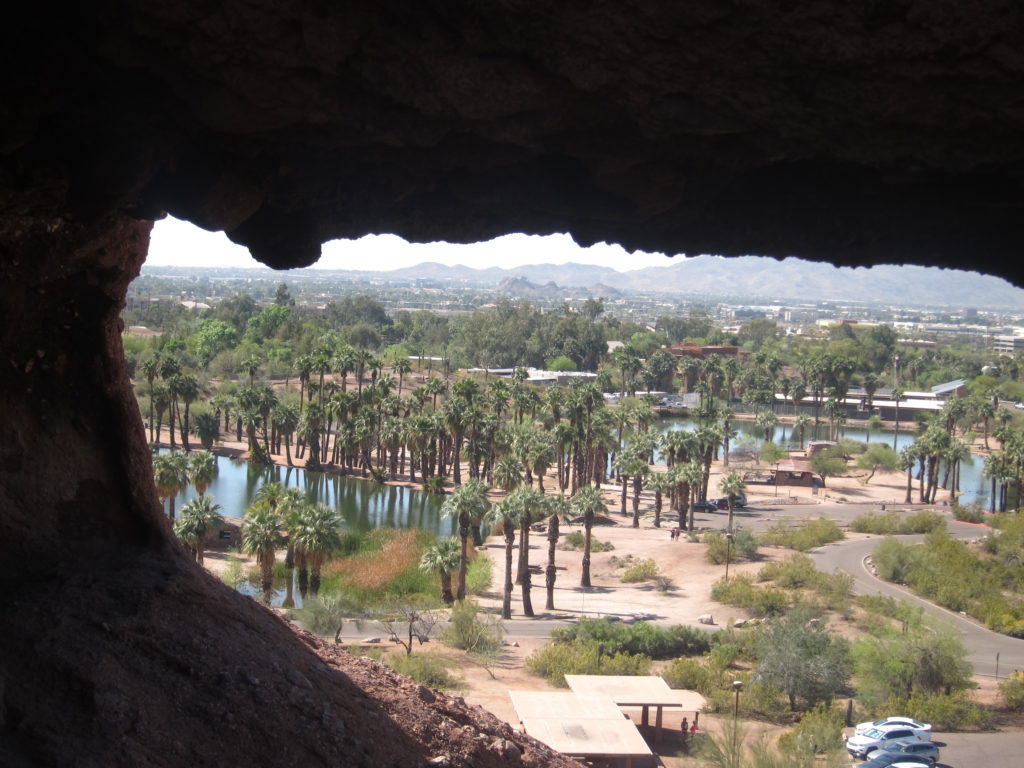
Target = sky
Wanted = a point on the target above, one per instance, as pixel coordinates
(179, 243)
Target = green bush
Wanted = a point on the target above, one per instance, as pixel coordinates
(740, 591)
(428, 667)
(809, 535)
(795, 572)
(554, 662)
(893, 560)
(640, 638)
(1012, 691)
(819, 731)
(642, 570)
(232, 574)
(472, 631)
(479, 573)
(744, 546)
(692, 675)
(890, 607)
(952, 712)
(574, 541)
(890, 523)
(971, 514)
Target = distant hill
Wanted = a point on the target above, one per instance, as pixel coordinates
(753, 276)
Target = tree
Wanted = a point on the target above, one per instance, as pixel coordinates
(520, 508)
(170, 473)
(732, 486)
(467, 503)
(800, 656)
(260, 538)
(206, 427)
(587, 501)
(827, 464)
(418, 619)
(202, 469)
(878, 456)
(318, 536)
(442, 557)
(198, 518)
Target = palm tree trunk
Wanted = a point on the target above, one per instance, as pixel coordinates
(506, 601)
(551, 573)
(463, 556)
(588, 527)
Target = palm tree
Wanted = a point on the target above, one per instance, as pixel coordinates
(521, 505)
(318, 535)
(202, 469)
(508, 472)
(766, 422)
(206, 427)
(467, 503)
(150, 368)
(286, 418)
(402, 366)
(661, 484)
(261, 537)
(587, 501)
(732, 485)
(442, 557)
(251, 365)
(800, 425)
(185, 386)
(198, 517)
(502, 514)
(691, 474)
(555, 507)
(170, 473)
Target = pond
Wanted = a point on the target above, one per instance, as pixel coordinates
(364, 505)
(750, 436)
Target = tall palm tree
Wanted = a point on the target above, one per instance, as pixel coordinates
(661, 484)
(170, 473)
(198, 518)
(442, 557)
(150, 368)
(732, 485)
(588, 502)
(318, 535)
(502, 514)
(402, 366)
(186, 386)
(206, 427)
(467, 502)
(508, 472)
(800, 425)
(286, 417)
(261, 537)
(556, 507)
(202, 469)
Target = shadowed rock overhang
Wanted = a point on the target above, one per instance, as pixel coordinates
(856, 133)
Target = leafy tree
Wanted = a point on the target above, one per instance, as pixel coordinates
(878, 456)
(212, 337)
(799, 655)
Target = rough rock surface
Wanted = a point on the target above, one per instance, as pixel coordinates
(856, 132)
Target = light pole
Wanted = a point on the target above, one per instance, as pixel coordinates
(728, 553)
(737, 685)
(896, 392)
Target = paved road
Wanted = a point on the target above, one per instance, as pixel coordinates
(982, 644)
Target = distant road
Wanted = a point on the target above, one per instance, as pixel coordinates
(982, 644)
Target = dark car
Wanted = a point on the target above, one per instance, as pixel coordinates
(907, 748)
(738, 503)
(705, 505)
(885, 760)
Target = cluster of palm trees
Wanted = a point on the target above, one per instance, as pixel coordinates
(175, 471)
(311, 533)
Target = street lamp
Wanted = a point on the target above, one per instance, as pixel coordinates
(728, 553)
(896, 393)
(737, 685)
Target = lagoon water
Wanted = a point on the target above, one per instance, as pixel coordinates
(363, 505)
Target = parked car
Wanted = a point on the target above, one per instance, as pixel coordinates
(739, 503)
(705, 505)
(859, 745)
(896, 761)
(907, 748)
(923, 730)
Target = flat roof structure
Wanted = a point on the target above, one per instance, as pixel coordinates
(548, 705)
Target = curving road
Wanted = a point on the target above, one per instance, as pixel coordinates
(982, 644)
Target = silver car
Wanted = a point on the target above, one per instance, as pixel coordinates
(910, 748)
(859, 745)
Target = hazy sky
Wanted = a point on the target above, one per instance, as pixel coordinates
(179, 243)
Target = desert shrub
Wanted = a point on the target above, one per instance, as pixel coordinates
(640, 638)
(744, 546)
(946, 712)
(808, 535)
(890, 523)
(1012, 691)
(760, 601)
(428, 667)
(663, 583)
(819, 731)
(574, 541)
(923, 521)
(642, 570)
(479, 573)
(890, 607)
(971, 514)
(795, 572)
(878, 523)
(692, 675)
(232, 574)
(472, 631)
(893, 560)
(554, 662)
(724, 655)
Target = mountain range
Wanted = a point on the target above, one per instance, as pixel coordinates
(747, 276)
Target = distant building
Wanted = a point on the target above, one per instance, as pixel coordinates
(1008, 344)
(698, 352)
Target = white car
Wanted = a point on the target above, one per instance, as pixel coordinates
(923, 730)
(859, 745)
